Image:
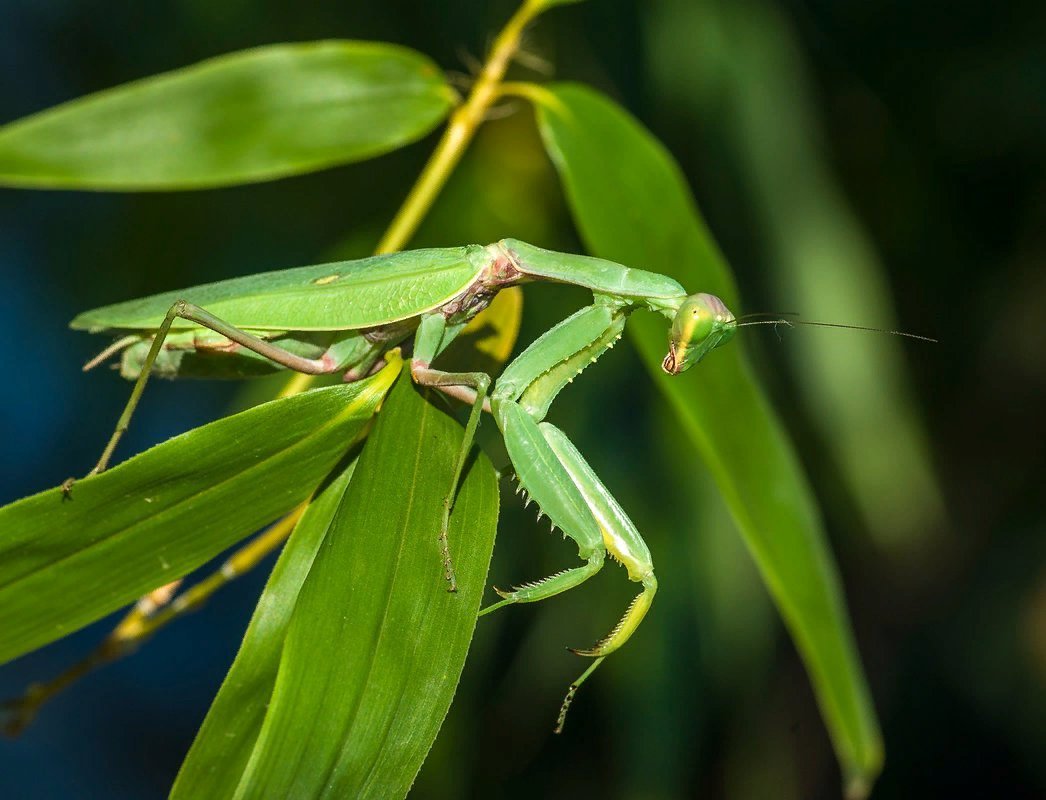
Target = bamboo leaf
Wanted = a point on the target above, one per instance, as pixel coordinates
(224, 742)
(376, 644)
(161, 514)
(632, 205)
(240, 118)
(855, 387)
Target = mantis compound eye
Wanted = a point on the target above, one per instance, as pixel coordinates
(702, 323)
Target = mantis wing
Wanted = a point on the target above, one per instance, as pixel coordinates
(342, 295)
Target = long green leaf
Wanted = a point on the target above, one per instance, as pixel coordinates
(161, 514)
(376, 644)
(632, 205)
(224, 743)
(823, 261)
(248, 116)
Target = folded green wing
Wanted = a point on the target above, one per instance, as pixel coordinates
(342, 295)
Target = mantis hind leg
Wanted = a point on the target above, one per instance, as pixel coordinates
(193, 313)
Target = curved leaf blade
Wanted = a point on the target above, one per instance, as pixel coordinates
(615, 173)
(224, 743)
(376, 644)
(166, 511)
(857, 389)
(245, 117)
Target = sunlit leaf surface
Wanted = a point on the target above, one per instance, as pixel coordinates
(248, 116)
(224, 743)
(376, 644)
(157, 516)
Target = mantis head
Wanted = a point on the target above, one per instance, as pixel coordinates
(702, 323)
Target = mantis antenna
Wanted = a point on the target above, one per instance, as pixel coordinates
(793, 322)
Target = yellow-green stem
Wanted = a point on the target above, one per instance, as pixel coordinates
(464, 122)
(145, 619)
(538, 95)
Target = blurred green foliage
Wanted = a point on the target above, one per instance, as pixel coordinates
(920, 117)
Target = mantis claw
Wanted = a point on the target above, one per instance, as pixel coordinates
(444, 547)
(563, 709)
(591, 652)
(626, 625)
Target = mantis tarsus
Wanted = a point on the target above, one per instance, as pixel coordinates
(343, 317)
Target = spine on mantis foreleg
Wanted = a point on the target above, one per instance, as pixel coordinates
(569, 347)
(573, 495)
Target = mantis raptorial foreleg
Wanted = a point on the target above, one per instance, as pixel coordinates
(559, 479)
(620, 537)
(548, 483)
(622, 541)
(557, 475)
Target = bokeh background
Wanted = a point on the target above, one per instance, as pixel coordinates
(867, 162)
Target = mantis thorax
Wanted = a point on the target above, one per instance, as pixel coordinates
(499, 270)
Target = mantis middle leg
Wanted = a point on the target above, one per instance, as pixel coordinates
(434, 335)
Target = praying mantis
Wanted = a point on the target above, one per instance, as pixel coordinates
(342, 318)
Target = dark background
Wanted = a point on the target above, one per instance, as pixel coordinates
(928, 123)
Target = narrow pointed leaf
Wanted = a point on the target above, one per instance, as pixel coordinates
(161, 514)
(224, 743)
(376, 644)
(244, 117)
(615, 172)
(856, 387)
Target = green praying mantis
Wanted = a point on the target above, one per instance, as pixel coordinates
(342, 318)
